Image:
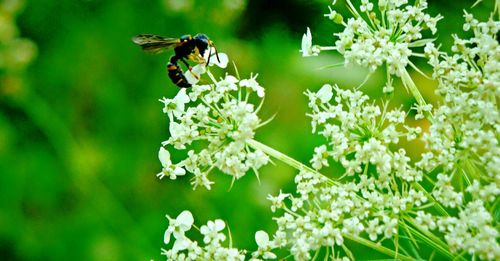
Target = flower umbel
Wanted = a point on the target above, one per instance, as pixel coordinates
(371, 39)
(219, 116)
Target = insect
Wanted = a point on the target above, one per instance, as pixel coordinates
(185, 48)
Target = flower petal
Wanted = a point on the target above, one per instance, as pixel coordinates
(325, 94)
(261, 238)
(180, 244)
(219, 225)
(306, 43)
(181, 97)
(224, 60)
(204, 230)
(166, 236)
(164, 157)
(185, 219)
(176, 131)
(192, 77)
(179, 171)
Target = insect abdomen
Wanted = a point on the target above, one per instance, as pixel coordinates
(177, 76)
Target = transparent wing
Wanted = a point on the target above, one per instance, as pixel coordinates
(155, 44)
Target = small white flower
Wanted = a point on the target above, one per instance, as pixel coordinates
(307, 48)
(421, 109)
(227, 84)
(201, 179)
(277, 202)
(221, 62)
(213, 58)
(175, 106)
(253, 85)
(262, 240)
(211, 231)
(169, 169)
(193, 75)
(325, 94)
(178, 226)
(366, 6)
(320, 157)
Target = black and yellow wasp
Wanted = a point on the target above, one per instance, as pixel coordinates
(186, 48)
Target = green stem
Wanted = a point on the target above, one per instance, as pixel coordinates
(410, 85)
(377, 247)
(431, 239)
(437, 205)
(282, 157)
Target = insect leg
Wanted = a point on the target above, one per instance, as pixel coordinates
(189, 67)
(186, 63)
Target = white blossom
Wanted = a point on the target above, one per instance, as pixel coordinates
(176, 105)
(307, 47)
(178, 227)
(211, 231)
(264, 246)
(170, 170)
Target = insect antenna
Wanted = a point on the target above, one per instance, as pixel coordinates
(211, 44)
(209, 54)
(216, 53)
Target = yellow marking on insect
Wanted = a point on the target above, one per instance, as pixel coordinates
(195, 56)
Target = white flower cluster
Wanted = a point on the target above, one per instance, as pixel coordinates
(374, 38)
(445, 203)
(462, 160)
(467, 122)
(220, 117)
(360, 134)
(463, 139)
(472, 231)
(324, 214)
(212, 247)
(379, 194)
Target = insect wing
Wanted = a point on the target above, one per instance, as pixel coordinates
(155, 44)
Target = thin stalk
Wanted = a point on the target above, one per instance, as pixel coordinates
(327, 48)
(378, 247)
(437, 205)
(431, 239)
(282, 157)
(410, 85)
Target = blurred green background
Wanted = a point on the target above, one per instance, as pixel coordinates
(80, 121)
